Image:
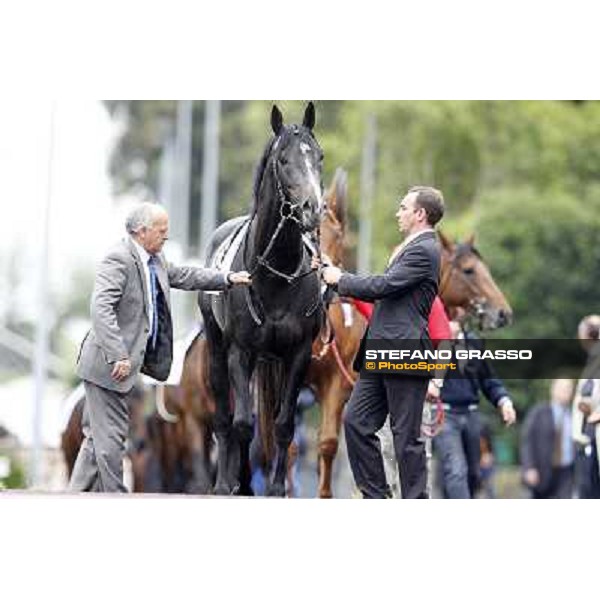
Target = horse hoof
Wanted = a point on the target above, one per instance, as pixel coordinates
(276, 490)
(246, 491)
(222, 489)
(198, 489)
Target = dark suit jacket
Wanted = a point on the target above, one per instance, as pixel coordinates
(537, 444)
(403, 294)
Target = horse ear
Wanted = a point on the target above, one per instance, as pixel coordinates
(471, 240)
(330, 195)
(341, 194)
(276, 120)
(309, 116)
(446, 243)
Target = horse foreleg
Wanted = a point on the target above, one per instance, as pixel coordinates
(332, 402)
(284, 422)
(240, 369)
(200, 481)
(223, 430)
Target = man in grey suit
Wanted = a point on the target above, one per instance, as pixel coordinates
(131, 332)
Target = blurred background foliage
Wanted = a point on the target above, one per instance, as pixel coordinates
(524, 176)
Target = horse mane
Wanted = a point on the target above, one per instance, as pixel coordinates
(340, 181)
(260, 172)
(261, 167)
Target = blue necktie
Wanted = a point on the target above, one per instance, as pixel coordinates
(154, 292)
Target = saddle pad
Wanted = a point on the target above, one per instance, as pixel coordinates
(223, 257)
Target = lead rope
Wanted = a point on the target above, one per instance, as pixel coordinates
(347, 376)
(431, 428)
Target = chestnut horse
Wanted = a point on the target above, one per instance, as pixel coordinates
(330, 372)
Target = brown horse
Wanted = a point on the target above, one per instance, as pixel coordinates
(330, 372)
(465, 281)
(189, 409)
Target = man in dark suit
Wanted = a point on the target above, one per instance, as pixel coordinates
(131, 332)
(547, 448)
(403, 296)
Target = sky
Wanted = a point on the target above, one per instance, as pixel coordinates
(84, 220)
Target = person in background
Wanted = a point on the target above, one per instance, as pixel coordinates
(586, 411)
(547, 448)
(487, 462)
(457, 445)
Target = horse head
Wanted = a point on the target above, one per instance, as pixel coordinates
(333, 224)
(296, 161)
(466, 282)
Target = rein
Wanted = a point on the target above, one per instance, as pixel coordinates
(332, 343)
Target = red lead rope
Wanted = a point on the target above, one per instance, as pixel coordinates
(347, 376)
(434, 426)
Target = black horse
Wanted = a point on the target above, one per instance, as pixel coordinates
(264, 333)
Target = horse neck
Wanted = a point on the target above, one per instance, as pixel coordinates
(332, 242)
(445, 289)
(287, 248)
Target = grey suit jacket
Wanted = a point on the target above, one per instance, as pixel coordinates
(121, 316)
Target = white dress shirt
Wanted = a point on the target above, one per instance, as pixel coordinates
(144, 257)
(407, 240)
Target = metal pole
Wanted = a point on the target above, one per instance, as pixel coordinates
(184, 167)
(210, 173)
(367, 192)
(42, 325)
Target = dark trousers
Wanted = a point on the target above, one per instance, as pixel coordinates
(457, 447)
(373, 398)
(561, 485)
(588, 476)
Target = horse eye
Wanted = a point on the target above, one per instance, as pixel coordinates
(469, 271)
(283, 160)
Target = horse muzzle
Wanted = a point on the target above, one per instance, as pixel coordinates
(491, 318)
(311, 217)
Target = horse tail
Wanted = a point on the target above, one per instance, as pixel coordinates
(269, 387)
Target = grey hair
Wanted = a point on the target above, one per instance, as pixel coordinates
(143, 215)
